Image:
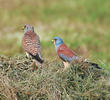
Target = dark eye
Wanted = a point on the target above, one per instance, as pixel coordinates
(24, 26)
(55, 39)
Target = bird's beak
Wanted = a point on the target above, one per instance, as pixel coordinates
(22, 28)
(53, 41)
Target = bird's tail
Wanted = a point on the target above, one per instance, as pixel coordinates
(93, 64)
(37, 58)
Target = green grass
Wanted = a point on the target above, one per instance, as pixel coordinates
(83, 25)
(19, 80)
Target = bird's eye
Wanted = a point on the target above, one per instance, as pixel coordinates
(55, 39)
(24, 26)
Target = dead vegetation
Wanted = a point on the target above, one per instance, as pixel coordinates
(19, 81)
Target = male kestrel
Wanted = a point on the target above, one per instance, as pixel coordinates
(66, 54)
(31, 44)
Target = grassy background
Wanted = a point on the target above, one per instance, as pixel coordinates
(83, 24)
(84, 27)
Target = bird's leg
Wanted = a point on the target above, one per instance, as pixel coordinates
(27, 55)
(40, 65)
(35, 65)
(66, 64)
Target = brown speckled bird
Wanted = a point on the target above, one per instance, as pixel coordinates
(31, 44)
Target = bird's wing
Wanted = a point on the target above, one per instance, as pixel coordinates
(65, 58)
(31, 44)
(66, 54)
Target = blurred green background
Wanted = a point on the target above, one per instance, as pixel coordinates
(84, 26)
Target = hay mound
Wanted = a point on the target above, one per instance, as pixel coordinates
(19, 81)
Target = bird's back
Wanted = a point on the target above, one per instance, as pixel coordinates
(31, 43)
(63, 49)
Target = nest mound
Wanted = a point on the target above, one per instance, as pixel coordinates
(19, 81)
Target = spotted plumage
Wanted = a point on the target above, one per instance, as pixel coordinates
(31, 44)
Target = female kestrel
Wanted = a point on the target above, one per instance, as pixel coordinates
(31, 44)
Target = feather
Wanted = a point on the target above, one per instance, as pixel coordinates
(68, 59)
(94, 65)
(63, 49)
(36, 57)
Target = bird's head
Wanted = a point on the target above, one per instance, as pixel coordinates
(28, 27)
(57, 41)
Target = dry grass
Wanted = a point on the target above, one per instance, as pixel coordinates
(7, 92)
(19, 81)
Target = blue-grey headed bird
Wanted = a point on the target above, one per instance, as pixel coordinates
(66, 54)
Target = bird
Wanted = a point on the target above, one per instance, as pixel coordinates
(67, 55)
(31, 45)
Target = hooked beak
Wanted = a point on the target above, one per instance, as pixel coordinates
(53, 41)
(22, 28)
